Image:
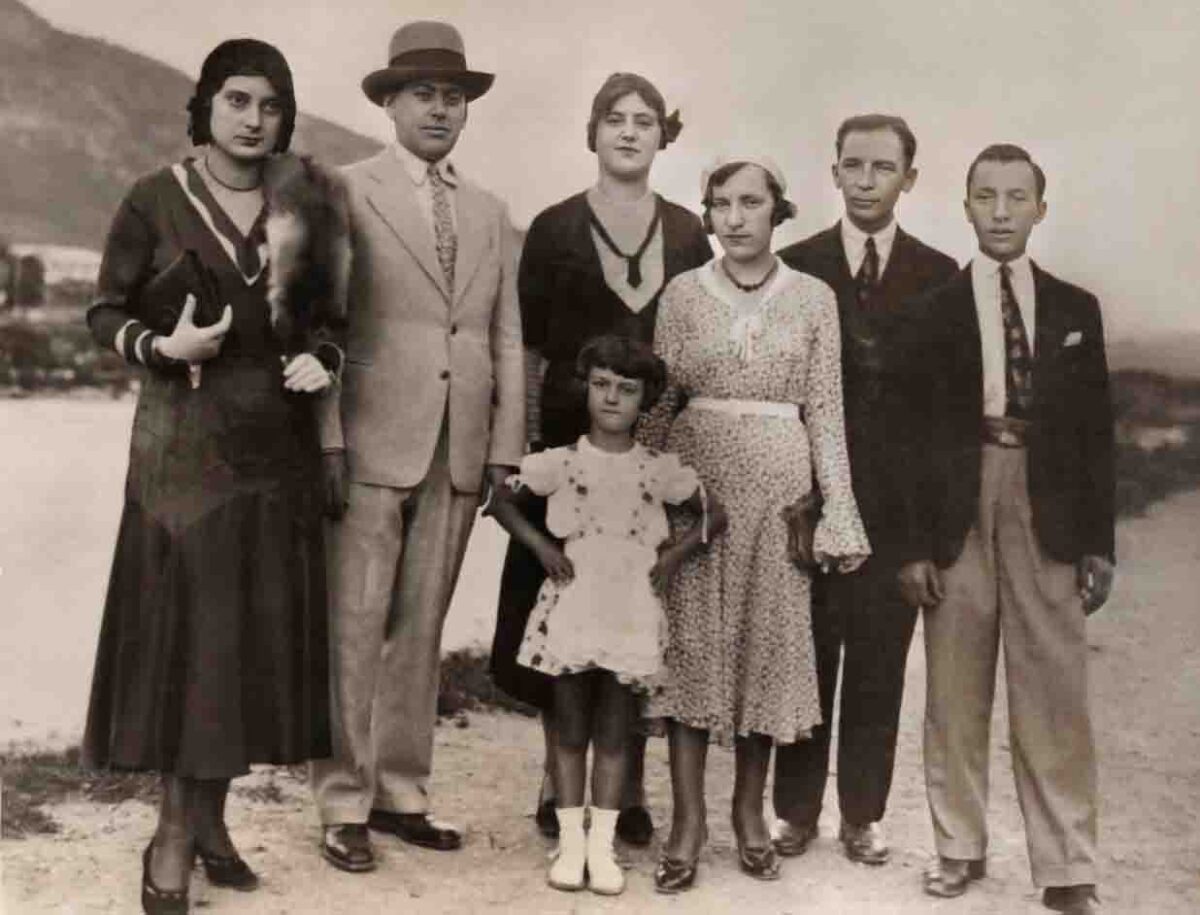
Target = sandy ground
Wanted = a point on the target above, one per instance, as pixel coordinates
(1146, 692)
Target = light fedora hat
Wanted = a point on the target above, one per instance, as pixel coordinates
(429, 50)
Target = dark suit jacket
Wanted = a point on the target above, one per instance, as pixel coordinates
(876, 383)
(1070, 444)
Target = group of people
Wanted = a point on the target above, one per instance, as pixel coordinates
(725, 478)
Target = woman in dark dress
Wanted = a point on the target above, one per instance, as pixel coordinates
(212, 653)
(593, 264)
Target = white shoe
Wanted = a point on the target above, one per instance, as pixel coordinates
(604, 874)
(566, 873)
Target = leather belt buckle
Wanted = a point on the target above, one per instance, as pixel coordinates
(1005, 431)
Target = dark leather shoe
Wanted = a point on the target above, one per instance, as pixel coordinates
(793, 840)
(1073, 900)
(230, 872)
(156, 901)
(864, 844)
(416, 829)
(348, 847)
(634, 826)
(950, 877)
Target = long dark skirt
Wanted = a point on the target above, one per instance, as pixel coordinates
(213, 652)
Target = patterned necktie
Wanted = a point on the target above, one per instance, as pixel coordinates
(868, 272)
(1018, 361)
(443, 226)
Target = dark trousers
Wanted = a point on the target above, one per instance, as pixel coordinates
(862, 614)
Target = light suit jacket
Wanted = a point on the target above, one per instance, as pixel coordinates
(415, 356)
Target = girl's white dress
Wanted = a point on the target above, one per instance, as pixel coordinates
(608, 508)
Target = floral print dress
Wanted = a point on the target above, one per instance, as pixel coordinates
(608, 508)
(740, 657)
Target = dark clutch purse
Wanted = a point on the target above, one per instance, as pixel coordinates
(801, 518)
(163, 296)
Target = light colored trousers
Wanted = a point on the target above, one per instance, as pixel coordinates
(394, 559)
(1003, 587)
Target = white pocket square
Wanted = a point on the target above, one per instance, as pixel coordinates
(1074, 338)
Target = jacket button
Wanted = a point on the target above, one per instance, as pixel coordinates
(445, 374)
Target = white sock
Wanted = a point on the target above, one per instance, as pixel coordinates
(604, 874)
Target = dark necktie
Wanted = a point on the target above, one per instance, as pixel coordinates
(868, 272)
(1018, 361)
(633, 262)
(443, 226)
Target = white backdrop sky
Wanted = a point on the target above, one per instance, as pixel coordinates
(1102, 92)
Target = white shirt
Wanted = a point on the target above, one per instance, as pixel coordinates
(854, 243)
(418, 170)
(985, 283)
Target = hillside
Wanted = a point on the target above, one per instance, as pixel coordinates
(80, 119)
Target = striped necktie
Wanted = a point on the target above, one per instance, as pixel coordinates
(443, 226)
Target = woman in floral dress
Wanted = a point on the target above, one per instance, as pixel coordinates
(755, 406)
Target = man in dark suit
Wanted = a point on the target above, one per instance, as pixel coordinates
(876, 269)
(1012, 538)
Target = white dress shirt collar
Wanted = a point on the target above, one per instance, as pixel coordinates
(854, 243)
(418, 168)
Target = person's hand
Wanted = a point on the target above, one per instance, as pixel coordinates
(558, 567)
(192, 344)
(305, 374)
(669, 561)
(336, 478)
(1094, 575)
(921, 584)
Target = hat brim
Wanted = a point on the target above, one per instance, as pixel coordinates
(381, 83)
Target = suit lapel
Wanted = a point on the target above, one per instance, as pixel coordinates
(1048, 326)
(832, 253)
(390, 194)
(472, 235)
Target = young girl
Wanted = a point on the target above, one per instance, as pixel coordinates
(598, 627)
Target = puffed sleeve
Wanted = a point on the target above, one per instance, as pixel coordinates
(840, 539)
(674, 482)
(542, 473)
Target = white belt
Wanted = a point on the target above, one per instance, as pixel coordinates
(746, 407)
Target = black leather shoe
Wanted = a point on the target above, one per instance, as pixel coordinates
(634, 826)
(230, 872)
(950, 877)
(348, 847)
(793, 840)
(1073, 900)
(156, 901)
(416, 829)
(864, 844)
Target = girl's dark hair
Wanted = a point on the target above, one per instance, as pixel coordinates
(782, 209)
(619, 85)
(625, 356)
(241, 57)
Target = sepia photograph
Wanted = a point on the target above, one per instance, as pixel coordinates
(487, 455)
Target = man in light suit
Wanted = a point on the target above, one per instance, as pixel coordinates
(876, 269)
(431, 411)
(1012, 538)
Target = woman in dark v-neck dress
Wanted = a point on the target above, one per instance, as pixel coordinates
(593, 264)
(212, 653)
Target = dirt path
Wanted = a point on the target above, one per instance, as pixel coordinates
(1146, 689)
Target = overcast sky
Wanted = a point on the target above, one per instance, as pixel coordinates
(1102, 92)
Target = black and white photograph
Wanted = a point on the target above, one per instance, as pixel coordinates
(589, 457)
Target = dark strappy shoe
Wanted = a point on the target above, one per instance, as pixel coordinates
(157, 901)
(673, 875)
(231, 871)
(760, 863)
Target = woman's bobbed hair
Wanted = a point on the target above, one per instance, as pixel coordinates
(241, 57)
(619, 85)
